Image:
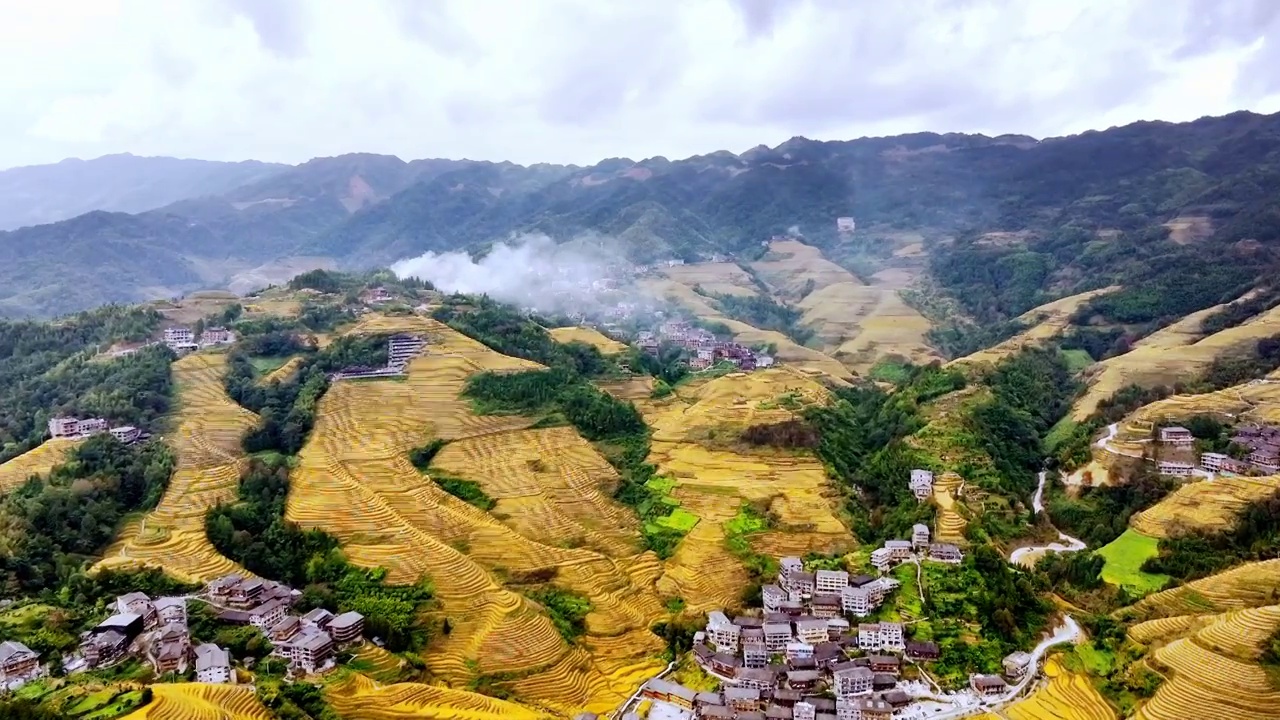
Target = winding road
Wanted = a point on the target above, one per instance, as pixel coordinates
(1067, 544)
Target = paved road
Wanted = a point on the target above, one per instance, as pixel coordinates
(1104, 442)
(1067, 544)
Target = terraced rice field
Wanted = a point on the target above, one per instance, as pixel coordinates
(36, 461)
(359, 698)
(550, 486)
(712, 481)
(1176, 352)
(354, 480)
(1067, 696)
(857, 323)
(590, 336)
(1047, 322)
(1212, 673)
(201, 701)
(950, 524)
(1254, 401)
(1246, 586)
(1203, 506)
(209, 463)
(635, 389)
(723, 278)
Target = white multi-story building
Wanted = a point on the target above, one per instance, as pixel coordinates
(882, 559)
(899, 549)
(856, 601)
(845, 224)
(789, 564)
(1176, 469)
(1219, 462)
(869, 637)
(179, 336)
(811, 630)
(892, 637)
(804, 711)
(213, 665)
(851, 680)
(798, 585)
(722, 633)
(830, 582)
(919, 536)
(754, 655)
(772, 597)
(776, 636)
(797, 650)
(921, 483)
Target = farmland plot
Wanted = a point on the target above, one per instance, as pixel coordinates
(36, 461)
(354, 480)
(209, 463)
(201, 701)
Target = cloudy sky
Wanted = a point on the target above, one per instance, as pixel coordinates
(581, 80)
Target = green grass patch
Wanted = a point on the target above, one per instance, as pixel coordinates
(746, 522)
(889, 371)
(268, 365)
(1059, 433)
(680, 520)
(1077, 360)
(1098, 662)
(568, 610)
(661, 483)
(1125, 556)
(467, 491)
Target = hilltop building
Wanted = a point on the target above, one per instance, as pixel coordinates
(921, 484)
(1177, 436)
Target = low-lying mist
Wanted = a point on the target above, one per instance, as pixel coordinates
(530, 271)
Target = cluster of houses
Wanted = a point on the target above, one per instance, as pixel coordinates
(182, 339)
(1261, 441)
(401, 348)
(894, 552)
(800, 659)
(787, 663)
(309, 642)
(703, 347)
(156, 631)
(78, 429)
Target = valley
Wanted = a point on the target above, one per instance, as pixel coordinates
(997, 417)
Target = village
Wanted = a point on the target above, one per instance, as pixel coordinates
(705, 350)
(800, 656)
(155, 631)
(1257, 452)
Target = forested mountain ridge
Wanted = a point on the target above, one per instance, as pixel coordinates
(39, 194)
(1069, 213)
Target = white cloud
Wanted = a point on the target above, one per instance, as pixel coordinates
(580, 80)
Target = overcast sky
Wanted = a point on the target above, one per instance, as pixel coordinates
(581, 80)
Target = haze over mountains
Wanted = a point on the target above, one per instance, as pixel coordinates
(199, 224)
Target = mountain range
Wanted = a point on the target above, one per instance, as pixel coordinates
(127, 228)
